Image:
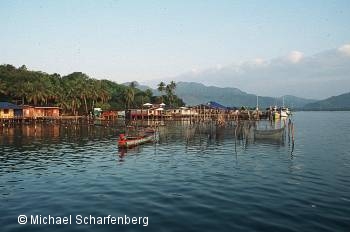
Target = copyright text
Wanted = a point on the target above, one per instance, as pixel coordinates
(81, 220)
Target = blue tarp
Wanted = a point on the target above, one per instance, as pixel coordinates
(216, 105)
(8, 105)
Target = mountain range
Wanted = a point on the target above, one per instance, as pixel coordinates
(196, 93)
(340, 102)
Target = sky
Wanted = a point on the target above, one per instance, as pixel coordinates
(150, 40)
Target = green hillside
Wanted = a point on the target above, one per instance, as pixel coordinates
(340, 102)
(195, 93)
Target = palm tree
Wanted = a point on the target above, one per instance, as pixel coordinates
(133, 84)
(148, 94)
(129, 96)
(3, 87)
(99, 93)
(170, 89)
(161, 88)
(173, 85)
(56, 89)
(87, 93)
(37, 93)
(22, 90)
(75, 105)
(169, 93)
(48, 89)
(70, 98)
(104, 94)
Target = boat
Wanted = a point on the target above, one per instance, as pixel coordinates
(276, 115)
(133, 141)
(269, 134)
(284, 113)
(288, 111)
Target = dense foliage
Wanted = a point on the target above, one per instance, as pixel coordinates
(76, 93)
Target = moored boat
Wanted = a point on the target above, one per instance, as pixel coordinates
(283, 113)
(132, 141)
(269, 134)
(276, 115)
(288, 111)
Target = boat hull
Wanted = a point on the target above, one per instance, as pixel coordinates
(284, 114)
(276, 115)
(134, 141)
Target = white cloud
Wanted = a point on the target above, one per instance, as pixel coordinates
(294, 73)
(295, 56)
(345, 49)
(219, 66)
(259, 61)
(194, 70)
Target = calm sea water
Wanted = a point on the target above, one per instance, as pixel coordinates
(202, 183)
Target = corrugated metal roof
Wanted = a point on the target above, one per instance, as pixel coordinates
(8, 105)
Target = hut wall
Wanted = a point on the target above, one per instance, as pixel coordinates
(7, 113)
(28, 112)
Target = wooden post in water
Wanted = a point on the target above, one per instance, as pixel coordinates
(190, 116)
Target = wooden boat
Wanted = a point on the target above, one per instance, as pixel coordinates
(283, 114)
(276, 115)
(269, 134)
(132, 141)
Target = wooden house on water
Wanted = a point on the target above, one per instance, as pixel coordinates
(9, 111)
(182, 112)
(12, 111)
(41, 112)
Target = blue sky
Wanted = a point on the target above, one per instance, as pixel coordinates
(144, 40)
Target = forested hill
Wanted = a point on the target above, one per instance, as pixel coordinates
(75, 93)
(340, 102)
(195, 93)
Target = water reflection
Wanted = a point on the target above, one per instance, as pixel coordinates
(198, 137)
(22, 135)
(124, 152)
(208, 135)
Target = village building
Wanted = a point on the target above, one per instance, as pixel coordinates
(41, 112)
(109, 114)
(9, 110)
(144, 113)
(181, 112)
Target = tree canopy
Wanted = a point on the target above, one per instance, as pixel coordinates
(75, 93)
